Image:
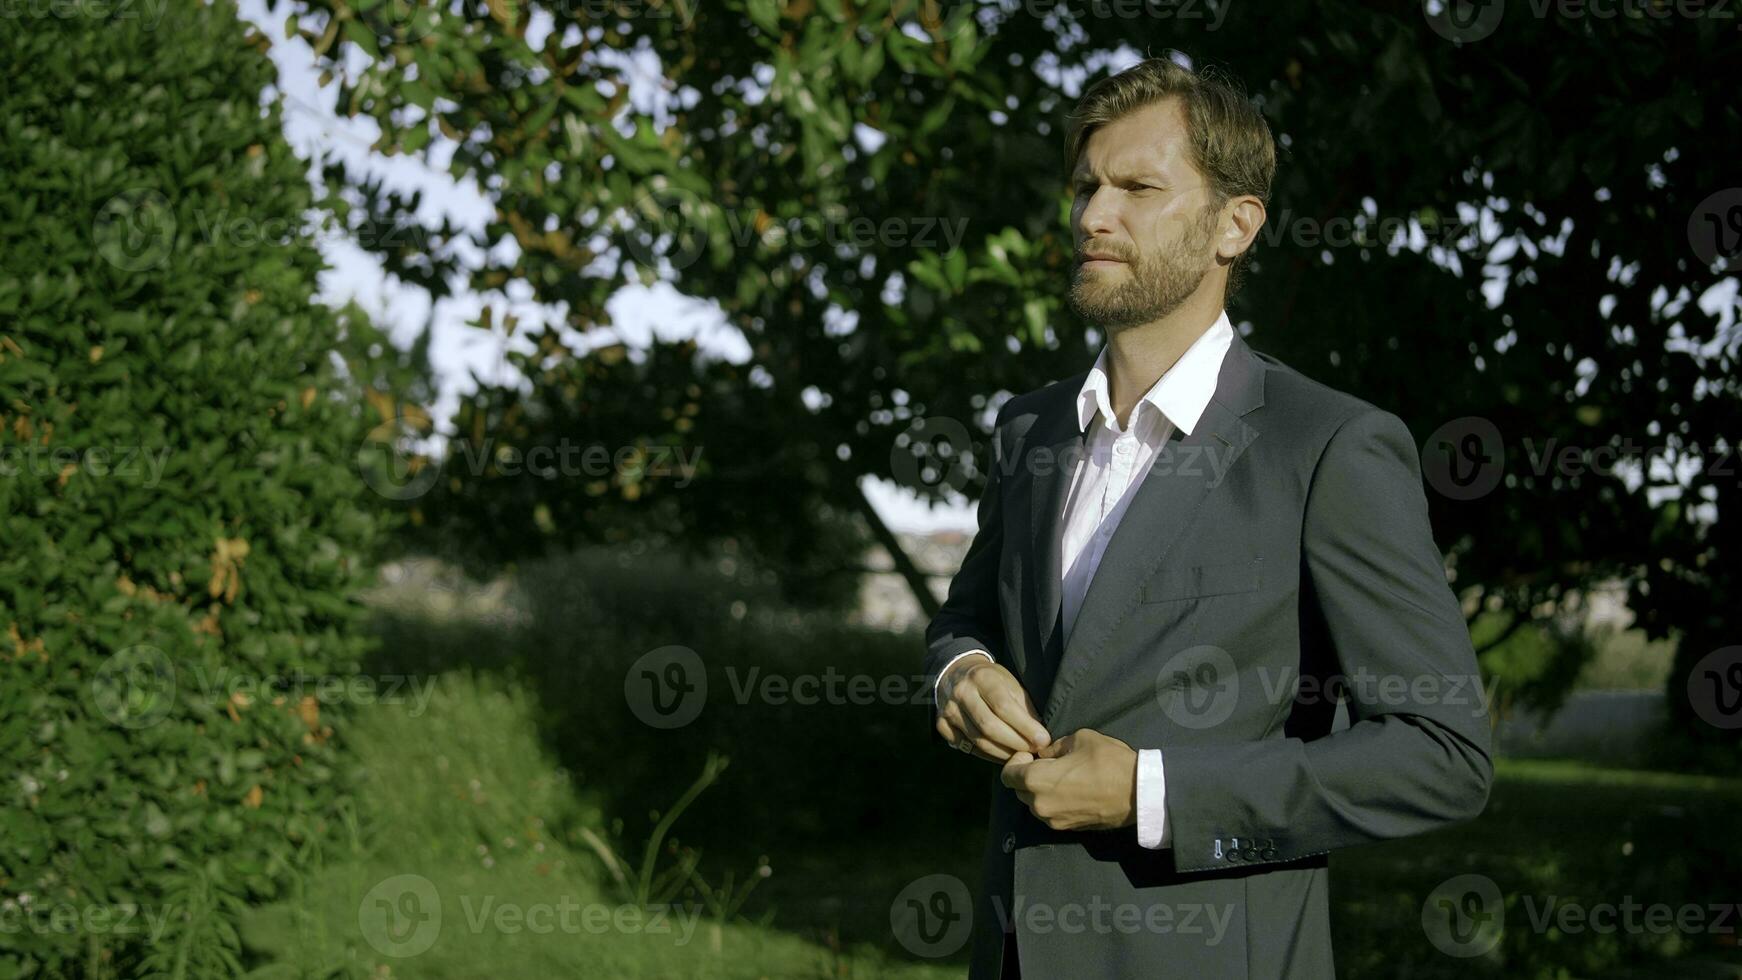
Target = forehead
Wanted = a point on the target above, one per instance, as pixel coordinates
(1152, 140)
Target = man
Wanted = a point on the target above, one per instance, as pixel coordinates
(1185, 558)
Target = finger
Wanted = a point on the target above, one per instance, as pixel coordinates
(1058, 747)
(982, 746)
(990, 726)
(1019, 716)
(1012, 774)
(947, 731)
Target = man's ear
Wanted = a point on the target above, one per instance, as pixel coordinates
(1245, 215)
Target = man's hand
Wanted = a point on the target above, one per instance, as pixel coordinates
(984, 704)
(1084, 781)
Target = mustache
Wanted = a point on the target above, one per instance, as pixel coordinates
(1088, 248)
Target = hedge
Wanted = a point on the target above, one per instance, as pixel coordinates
(184, 526)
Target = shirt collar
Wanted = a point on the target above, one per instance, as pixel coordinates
(1181, 393)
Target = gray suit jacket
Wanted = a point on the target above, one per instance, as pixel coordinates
(1274, 559)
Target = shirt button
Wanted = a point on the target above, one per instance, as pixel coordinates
(1009, 843)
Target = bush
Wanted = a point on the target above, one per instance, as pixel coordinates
(184, 525)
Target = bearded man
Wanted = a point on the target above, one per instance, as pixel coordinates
(1186, 558)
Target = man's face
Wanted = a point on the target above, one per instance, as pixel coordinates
(1141, 220)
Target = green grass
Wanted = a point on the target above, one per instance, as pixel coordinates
(525, 757)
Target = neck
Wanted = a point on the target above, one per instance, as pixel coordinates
(1138, 356)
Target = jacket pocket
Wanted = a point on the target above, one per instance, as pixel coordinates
(1198, 581)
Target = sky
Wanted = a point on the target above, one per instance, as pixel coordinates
(460, 352)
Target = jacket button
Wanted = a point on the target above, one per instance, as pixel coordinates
(1009, 843)
(1270, 854)
(1251, 854)
(1233, 854)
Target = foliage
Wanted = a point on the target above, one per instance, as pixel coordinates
(184, 525)
(1517, 211)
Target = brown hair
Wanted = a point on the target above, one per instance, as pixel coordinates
(1230, 141)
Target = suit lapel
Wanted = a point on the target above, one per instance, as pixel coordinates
(1057, 431)
(1186, 470)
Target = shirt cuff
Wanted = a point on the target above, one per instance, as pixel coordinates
(1152, 828)
(952, 663)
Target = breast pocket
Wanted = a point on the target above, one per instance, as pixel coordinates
(1208, 579)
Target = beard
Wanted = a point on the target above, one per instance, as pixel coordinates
(1149, 287)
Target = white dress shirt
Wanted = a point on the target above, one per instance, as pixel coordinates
(1114, 462)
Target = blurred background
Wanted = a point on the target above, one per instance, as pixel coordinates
(475, 474)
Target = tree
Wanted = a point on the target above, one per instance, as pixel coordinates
(1534, 208)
